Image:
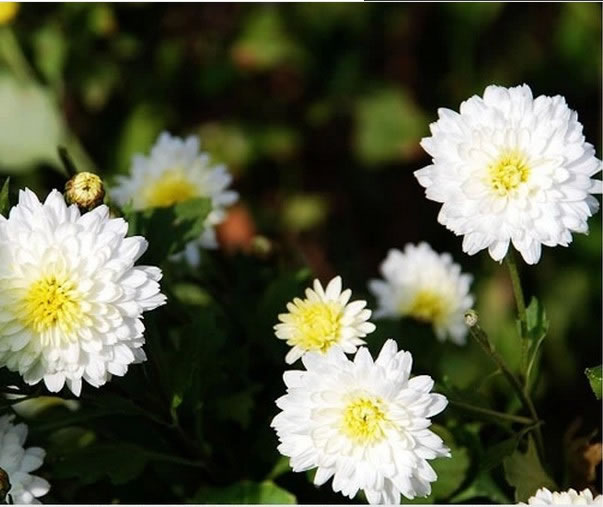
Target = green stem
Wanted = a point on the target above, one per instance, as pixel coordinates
(521, 309)
(492, 413)
(482, 339)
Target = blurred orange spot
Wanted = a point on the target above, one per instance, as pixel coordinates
(237, 231)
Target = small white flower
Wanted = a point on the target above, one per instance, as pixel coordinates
(363, 423)
(174, 172)
(427, 286)
(324, 319)
(18, 462)
(72, 300)
(570, 497)
(511, 168)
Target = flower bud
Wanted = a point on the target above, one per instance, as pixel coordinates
(86, 190)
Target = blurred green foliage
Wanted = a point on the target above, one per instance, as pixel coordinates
(318, 111)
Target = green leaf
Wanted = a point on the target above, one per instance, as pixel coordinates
(281, 467)
(245, 492)
(30, 123)
(483, 486)
(495, 454)
(451, 471)
(265, 42)
(4, 201)
(389, 126)
(120, 462)
(168, 230)
(594, 376)
(525, 473)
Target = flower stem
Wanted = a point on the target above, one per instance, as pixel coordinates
(482, 339)
(492, 413)
(521, 309)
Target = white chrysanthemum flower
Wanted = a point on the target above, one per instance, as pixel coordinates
(174, 172)
(18, 462)
(511, 168)
(72, 300)
(324, 319)
(570, 497)
(364, 423)
(427, 286)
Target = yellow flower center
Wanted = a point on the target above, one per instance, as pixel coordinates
(508, 173)
(318, 325)
(171, 188)
(428, 305)
(8, 10)
(52, 301)
(363, 420)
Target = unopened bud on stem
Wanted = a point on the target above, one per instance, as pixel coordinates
(86, 190)
(471, 318)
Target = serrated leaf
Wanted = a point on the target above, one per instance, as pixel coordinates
(495, 454)
(595, 377)
(245, 492)
(4, 201)
(525, 473)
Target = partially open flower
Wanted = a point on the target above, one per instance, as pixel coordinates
(324, 319)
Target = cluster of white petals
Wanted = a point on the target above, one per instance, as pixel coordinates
(510, 168)
(570, 497)
(18, 463)
(363, 423)
(420, 283)
(325, 318)
(72, 299)
(176, 171)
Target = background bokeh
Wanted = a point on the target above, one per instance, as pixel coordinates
(317, 109)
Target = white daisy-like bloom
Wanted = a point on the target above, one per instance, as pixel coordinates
(18, 463)
(570, 497)
(325, 318)
(511, 169)
(176, 171)
(72, 299)
(364, 423)
(427, 286)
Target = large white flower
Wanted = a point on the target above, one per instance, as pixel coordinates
(322, 320)
(427, 286)
(71, 299)
(174, 172)
(18, 462)
(363, 423)
(511, 168)
(570, 497)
